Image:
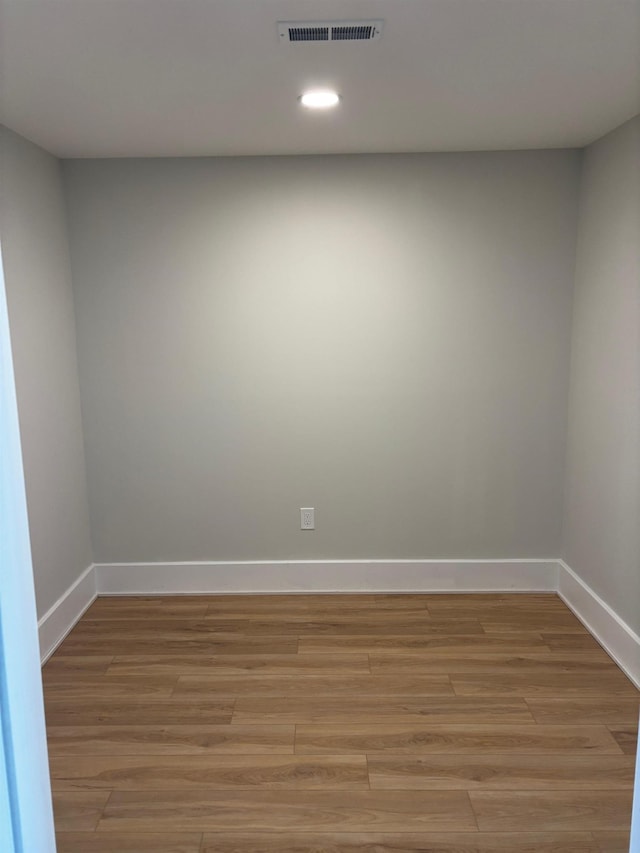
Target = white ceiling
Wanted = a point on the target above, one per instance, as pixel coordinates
(110, 78)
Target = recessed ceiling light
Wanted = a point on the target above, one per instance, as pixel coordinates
(319, 99)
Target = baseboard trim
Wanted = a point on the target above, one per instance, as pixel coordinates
(613, 634)
(328, 576)
(60, 618)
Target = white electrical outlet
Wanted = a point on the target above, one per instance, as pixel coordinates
(307, 518)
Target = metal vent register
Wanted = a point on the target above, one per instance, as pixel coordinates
(325, 31)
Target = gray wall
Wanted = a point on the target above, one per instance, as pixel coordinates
(385, 338)
(602, 512)
(40, 301)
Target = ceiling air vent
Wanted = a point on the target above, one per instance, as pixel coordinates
(325, 31)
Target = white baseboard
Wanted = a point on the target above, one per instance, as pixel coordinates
(330, 576)
(63, 615)
(614, 635)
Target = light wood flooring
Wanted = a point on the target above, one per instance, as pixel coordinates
(338, 724)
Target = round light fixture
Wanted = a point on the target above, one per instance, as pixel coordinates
(319, 99)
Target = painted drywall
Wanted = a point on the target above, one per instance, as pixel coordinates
(384, 338)
(41, 315)
(602, 512)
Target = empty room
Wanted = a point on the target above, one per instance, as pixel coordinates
(319, 426)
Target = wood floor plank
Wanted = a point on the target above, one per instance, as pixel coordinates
(401, 601)
(178, 629)
(622, 711)
(352, 627)
(357, 613)
(373, 710)
(548, 684)
(78, 810)
(293, 602)
(174, 711)
(212, 771)
(334, 686)
(95, 842)
(495, 663)
(627, 738)
(122, 602)
(60, 666)
(166, 607)
(141, 628)
(501, 772)
(246, 665)
(405, 842)
(525, 604)
(473, 738)
(349, 626)
(272, 811)
(515, 600)
(529, 619)
(98, 689)
(612, 842)
(281, 625)
(170, 740)
(501, 811)
(570, 642)
(555, 625)
(236, 644)
(431, 644)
